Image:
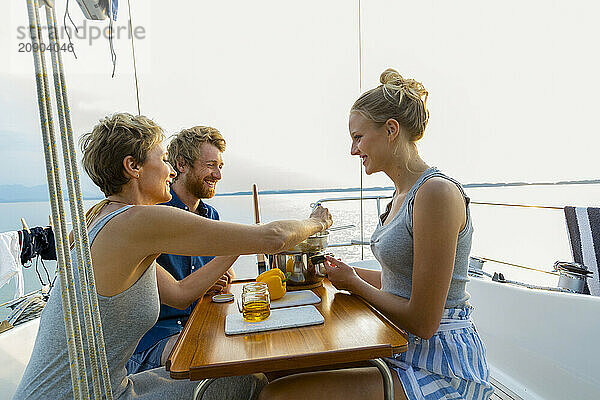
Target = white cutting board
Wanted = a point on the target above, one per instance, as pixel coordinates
(280, 318)
(291, 299)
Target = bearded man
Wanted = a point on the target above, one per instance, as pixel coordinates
(195, 154)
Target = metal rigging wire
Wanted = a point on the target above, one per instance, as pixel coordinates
(360, 71)
(137, 89)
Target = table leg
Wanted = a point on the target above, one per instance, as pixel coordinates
(201, 388)
(388, 383)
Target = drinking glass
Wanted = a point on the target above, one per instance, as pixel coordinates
(256, 303)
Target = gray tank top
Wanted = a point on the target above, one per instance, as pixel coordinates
(392, 246)
(125, 318)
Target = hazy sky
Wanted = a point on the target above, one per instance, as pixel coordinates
(512, 84)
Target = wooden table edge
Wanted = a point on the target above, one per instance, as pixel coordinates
(182, 374)
(186, 328)
(192, 373)
(307, 361)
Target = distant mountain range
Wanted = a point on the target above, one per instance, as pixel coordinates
(20, 193)
(380, 188)
(291, 191)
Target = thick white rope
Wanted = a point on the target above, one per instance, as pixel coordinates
(63, 238)
(84, 263)
(84, 233)
(69, 302)
(79, 222)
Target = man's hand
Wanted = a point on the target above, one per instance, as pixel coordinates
(219, 286)
(231, 274)
(181, 294)
(222, 285)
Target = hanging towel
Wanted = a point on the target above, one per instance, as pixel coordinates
(583, 227)
(10, 264)
(38, 241)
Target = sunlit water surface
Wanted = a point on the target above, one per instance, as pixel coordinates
(525, 236)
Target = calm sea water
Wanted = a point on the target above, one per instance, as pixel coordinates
(524, 236)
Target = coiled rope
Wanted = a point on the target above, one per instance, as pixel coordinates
(87, 290)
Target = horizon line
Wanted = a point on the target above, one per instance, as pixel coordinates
(351, 189)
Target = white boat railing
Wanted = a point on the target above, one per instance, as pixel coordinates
(378, 199)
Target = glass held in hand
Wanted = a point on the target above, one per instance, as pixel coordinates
(256, 304)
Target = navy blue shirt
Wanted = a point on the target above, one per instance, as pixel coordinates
(171, 320)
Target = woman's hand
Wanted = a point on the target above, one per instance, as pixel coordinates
(341, 275)
(322, 215)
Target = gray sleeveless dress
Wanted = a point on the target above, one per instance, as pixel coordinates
(125, 319)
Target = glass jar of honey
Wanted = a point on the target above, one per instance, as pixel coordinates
(256, 304)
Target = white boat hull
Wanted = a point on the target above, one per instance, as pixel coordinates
(16, 346)
(540, 344)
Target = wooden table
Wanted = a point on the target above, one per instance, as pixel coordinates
(352, 332)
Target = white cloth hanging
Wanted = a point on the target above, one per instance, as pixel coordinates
(10, 261)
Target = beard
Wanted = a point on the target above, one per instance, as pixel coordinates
(196, 186)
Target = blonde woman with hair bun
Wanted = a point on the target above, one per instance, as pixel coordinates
(422, 241)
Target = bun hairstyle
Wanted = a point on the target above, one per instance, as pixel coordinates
(396, 98)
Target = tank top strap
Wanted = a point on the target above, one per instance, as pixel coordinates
(431, 172)
(93, 231)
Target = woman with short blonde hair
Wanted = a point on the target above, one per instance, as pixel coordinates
(125, 157)
(113, 139)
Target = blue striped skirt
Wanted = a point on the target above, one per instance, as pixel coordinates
(450, 365)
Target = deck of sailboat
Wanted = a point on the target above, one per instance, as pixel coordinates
(501, 392)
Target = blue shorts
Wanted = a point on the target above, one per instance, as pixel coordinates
(450, 365)
(147, 359)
